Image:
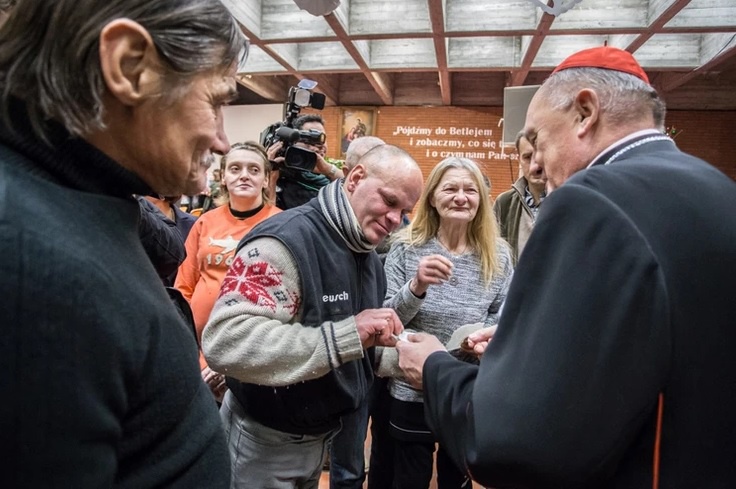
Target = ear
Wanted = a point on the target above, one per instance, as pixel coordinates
(129, 62)
(588, 109)
(355, 175)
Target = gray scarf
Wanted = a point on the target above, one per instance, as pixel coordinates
(339, 213)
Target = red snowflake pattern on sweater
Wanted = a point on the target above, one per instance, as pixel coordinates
(252, 281)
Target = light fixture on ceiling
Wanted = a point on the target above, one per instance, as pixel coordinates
(558, 6)
(318, 7)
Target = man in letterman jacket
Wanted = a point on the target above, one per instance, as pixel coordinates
(297, 310)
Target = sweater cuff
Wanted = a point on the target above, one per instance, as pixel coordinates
(408, 297)
(345, 341)
(387, 363)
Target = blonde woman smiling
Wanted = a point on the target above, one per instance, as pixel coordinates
(447, 268)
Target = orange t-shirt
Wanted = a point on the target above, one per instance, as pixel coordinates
(210, 251)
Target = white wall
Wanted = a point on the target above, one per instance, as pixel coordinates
(245, 122)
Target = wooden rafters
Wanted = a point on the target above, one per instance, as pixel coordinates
(657, 25)
(519, 76)
(325, 88)
(669, 83)
(268, 87)
(437, 19)
(416, 52)
(381, 83)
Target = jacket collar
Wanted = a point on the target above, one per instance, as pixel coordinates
(68, 160)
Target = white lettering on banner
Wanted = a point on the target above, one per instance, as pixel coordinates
(472, 132)
(412, 131)
(457, 154)
(436, 142)
(476, 143)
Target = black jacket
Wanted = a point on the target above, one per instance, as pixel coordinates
(315, 406)
(624, 291)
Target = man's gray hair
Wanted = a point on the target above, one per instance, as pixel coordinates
(623, 97)
(358, 147)
(49, 53)
(517, 142)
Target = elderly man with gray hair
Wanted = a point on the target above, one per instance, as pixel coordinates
(103, 99)
(613, 361)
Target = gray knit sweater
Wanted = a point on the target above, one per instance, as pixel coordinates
(463, 299)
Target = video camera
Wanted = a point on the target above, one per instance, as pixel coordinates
(295, 157)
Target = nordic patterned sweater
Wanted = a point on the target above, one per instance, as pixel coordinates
(463, 299)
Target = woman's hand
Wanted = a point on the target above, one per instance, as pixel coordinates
(216, 383)
(432, 270)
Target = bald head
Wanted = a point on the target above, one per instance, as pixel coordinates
(388, 160)
(358, 148)
(382, 187)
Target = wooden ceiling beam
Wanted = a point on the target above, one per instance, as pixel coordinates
(545, 23)
(381, 83)
(658, 24)
(326, 85)
(330, 94)
(437, 19)
(269, 87)
(670, 82)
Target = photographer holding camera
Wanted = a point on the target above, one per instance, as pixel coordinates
(294, 187)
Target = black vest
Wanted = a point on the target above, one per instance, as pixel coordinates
(335, 283)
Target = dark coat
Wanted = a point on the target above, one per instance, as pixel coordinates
(624, 291)
(327, 267)
(101, 386)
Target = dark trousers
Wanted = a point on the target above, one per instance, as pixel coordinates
(347, 456)
(415, 460)
(381, 473)
(414, 447)
(347, 464)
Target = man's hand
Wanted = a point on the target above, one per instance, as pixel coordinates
(479, 340)
(414, 352)
(327, 169)
(377, 327)
(432, 270)
(273, 150)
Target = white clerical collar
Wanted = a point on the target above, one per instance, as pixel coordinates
(626, 139)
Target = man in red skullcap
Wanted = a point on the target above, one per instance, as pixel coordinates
(612, 362)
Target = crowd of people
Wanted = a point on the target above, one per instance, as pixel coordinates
(575, 333)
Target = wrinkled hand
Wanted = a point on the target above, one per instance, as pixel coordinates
(377, 327)
(414, 352)
(432, 270)
(479, 340)
(216, 383)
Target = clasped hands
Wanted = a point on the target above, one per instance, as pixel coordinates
(414, 352)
